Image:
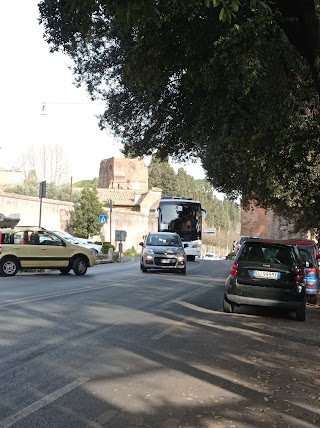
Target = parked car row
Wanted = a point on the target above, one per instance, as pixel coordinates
(87, 243)
(211, 256)
(274, 273)
(237, 244)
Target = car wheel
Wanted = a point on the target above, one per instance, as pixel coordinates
(313, 298)
(65, 271)
(227, 307)
(79, 266)
(144, 269)
(191, 258)
(301, 312)
(9, 267)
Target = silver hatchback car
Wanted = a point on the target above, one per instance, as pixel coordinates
(163, 250)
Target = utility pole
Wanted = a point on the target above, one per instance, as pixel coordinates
(71, 189)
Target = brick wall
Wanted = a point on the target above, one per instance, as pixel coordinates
(266, 224)
(122, 173)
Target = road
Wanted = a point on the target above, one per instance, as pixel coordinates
(119, 348)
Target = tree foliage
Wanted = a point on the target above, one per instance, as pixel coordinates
(234, 83)
(85, 221)
(161, 175)
(48, 161)
(31, 187)
(94, 183)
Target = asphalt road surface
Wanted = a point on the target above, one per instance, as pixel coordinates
(119, 348)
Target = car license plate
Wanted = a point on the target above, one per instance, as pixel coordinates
(266, 274)
(165, 261)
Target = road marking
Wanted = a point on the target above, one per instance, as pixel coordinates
(86, 289)
(169, 330)
(8, 422)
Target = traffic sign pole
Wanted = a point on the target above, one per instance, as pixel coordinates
(110, 221)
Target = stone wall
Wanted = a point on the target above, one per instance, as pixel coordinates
(56, 215)
(136, 225)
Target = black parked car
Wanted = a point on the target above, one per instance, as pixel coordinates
(267, 273)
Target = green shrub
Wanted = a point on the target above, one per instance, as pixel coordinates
(106, 246)
(131, 253)
(231, 255)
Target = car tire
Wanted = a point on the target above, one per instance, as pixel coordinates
(79, 266)
(9, 267)
(191, 258)
(144, 269)
(301, 312)
(65, 271)
(227, 307)
(312, 298)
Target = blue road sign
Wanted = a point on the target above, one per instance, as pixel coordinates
(103, 219)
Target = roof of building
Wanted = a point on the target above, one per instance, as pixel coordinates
(121, 197)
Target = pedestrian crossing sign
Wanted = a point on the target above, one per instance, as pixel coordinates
(103, 219)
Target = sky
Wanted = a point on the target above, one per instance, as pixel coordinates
(31, 76)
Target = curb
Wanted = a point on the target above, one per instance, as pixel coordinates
(107, 261)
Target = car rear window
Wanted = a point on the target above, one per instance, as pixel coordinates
(307, 257)
(267, 253)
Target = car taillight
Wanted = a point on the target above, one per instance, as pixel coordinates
(299, 275)
(234, 269)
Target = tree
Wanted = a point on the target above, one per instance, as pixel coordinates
(49, 162)
(162, 175)
(94, 183)
(31, 187)
(239, 88)
(85, 222)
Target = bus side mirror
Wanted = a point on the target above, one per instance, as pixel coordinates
(204, 214)
(156, 213)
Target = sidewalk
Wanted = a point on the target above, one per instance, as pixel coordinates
(103, 259)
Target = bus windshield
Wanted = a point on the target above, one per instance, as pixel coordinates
(181, 217)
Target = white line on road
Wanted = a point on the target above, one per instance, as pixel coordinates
(170, 329)
(8, 422)
(86, 289)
